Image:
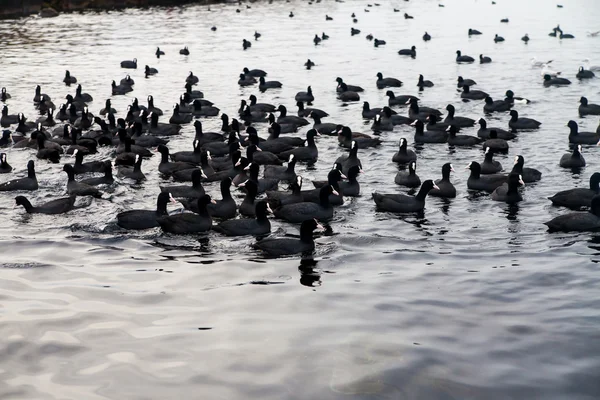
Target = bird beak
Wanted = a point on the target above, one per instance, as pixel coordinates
(171, 199)
(343, 176)
(319, 226)
(521, 180)
(213, 201)
(436, 186)
(258, 148)
(247, 167)
(203, 174)
(407, 101)
(242, 184)
(269, 208)
(335, 192)
(414, 122)
(237, 164)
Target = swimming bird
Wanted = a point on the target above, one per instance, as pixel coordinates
(300, 212)
(428, 137)
(585, 108)
(403, 203)
(584, 74)
(246, 44)
(574, 159)
(528, 175)
(445, 188)
(463, 59)
(498, 38)
(306, 97)
(577, 137)
(492, 106)
(134, 173)
(484, 131)
(460, 140)
(579, 197)
(472, 32)
(408, 178)
(484, 60)
(4, 95)
(412, 52)
(460, 122)
(404, 155)
(257, 226)
(27, 183)
(58, 206)
(467, 93)
(387, 82)
(129, 64)
(287, 246)
(489, 165)
(424, 83)
(487, 183)
(525, 38)
(75, 188)
(5, 167)
(184, 223)
(426, 37)
(461, 82)
(588, 221)
(159, 52)
(185, 51)
(509, 192)
(400, 100)
(522, 123)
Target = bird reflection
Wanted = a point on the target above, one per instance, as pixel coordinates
(308, 275)
(512, 212)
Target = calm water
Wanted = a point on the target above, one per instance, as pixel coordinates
(473, 300)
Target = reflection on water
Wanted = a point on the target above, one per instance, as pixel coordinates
(470, 299)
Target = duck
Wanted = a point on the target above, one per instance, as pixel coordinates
(82, 97)
(433, 124)
(58, 206)
(412, 52)
(489, 165)
(255, 155)
(306, 97)
(406, 16)
(324, 128)
(246, 80)
(461, 82)
(509, 192)
(399, 100)
(145, 219)
(308, 153)
(445, 188)
(460, 140)
(473, 32)
(403, 203)
(185, 51)
(459, 122)
(421, 113)
(120, 89)
(27, 183)
(528, 175)
(428, 137)
(585, 108)
(134, 173)
(159, 52)
(75, 188)
(588, 221)
(577, 137)
(347, 95)
(387, 82)
(255, 106)
(309, 64)
(487, 183)
(300, 212)
(510, 98)
(463, 59)
(352, 88)
(498, 38)
(246, 44)
(257, 226)
(277, 247)
(469, 94)
(43, 153)
(274, 137)
(404, 155)
(426, 37)
(579, 197)
(424, 83)
(409, 179)
(484, 132)
(522, 123)
(484, 59)
(574, 159)
(565, 35)
(492, 106)
(107, 179)
(184, 223)
(248, 207)
(550, 81)
(178, 118)
(525, 38)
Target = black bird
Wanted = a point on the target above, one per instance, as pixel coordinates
(403, 203)
(257, 226)
(579, 197)
(287, 246)
(58, 206)
(588, 221)
(28, 183)
(145, 219)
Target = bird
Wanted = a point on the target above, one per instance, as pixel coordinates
(574, 159)
(528, 175)
(522, 123)
(257, 226)
(404, 203)
(408, 178)
(426, 37)
(387, 82)
(550, 81)
(579, 197)
(183, 223)
(586, 108)
(587, 221)
(463, 59)
(584, 74)
(487, 183)
(484, 59)
(509, 191)
(404, 155)
(185, 51)
(525, 38)
(278, 247)
(75, 188)
(498, 38)
(445, 188)
(424, 83)
(129, 64)
(27, 183)
(58, 206)
(577, 137)
(412, 52)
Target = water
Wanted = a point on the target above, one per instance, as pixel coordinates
(471, 300)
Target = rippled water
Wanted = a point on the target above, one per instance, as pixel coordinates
(473, 300)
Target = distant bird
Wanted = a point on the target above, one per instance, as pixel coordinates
(159, 52)
(185, 51)
(498, 38)
(426, 37)
(525, 38)
(256, 35)
(406, 16)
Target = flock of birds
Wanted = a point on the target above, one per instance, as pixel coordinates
(236, 155)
